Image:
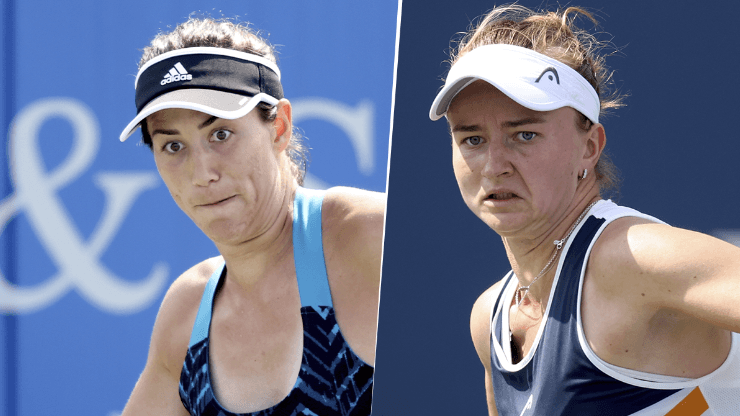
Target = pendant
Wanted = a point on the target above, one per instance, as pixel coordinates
(520, 294)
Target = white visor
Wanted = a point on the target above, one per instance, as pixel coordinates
(532, 79)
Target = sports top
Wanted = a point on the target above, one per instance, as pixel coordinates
(332, 380)
(561, 375)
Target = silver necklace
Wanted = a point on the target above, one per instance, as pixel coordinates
(522, 291)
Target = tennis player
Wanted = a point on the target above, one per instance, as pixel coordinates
(607, 311)
(284, 321)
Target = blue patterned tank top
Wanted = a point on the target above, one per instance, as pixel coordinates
(332, 380)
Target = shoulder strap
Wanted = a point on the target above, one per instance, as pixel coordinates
(494, 327)
(308, 249)
(203, 319)
(507, 278)
(610, 211)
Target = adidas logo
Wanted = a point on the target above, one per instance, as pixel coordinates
(177, 73)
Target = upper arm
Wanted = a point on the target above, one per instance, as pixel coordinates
(480, 323)
(480, 330)
(157, 390)
(155, 393)
(490, 400)
(666, 267)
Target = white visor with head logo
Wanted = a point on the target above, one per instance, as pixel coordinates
(532, 79)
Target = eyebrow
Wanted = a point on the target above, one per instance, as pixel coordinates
(203, 125)
(523, 121)
(464, 128)
(208, 122)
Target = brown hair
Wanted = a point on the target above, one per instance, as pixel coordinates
(223, 33)
(553, 34)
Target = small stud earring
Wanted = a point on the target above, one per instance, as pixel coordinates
(585, 172)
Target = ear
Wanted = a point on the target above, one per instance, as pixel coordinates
(595, 143)
(283, 124)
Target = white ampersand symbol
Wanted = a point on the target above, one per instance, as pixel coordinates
(78, 262)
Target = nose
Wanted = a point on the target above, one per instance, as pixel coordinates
(498, 162)
(204, 163)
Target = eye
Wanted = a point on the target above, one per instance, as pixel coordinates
(473, 141)
(172, 147)
(220, 135)
(525, 136)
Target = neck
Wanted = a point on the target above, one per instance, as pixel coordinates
(529, 257)
(268, 253)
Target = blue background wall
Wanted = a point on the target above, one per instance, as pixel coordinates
(676, 143)
(68, 71)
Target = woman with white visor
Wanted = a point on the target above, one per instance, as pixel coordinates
(607, 311)
(284, 321)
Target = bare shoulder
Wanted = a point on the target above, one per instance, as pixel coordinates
(480, 322)
(352, 224)
(177, 313)
(643, 252)
(612, 254)
(343, 204)
(668, 267)
(641, 242)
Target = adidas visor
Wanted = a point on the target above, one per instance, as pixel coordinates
(221, 82)
(532, 79)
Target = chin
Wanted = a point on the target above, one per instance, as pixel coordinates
(503, 224)
(225, 232)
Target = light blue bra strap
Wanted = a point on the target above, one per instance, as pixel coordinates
(203, 319)
(308, 249)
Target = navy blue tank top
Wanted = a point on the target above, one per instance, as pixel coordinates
(562, 375)
(332, 380)
(558, 378)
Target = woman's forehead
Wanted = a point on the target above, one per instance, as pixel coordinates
(187, 117)
(173, 115)
(482, 98)
(481, 107)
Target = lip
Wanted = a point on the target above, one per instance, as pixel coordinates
(505, 196)
(216, 203)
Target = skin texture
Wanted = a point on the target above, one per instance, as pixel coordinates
(656, 298)
(231, 177)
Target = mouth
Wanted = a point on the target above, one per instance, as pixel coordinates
(501, 196)
(216, 203)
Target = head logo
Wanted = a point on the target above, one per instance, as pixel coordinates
(553, 75)
(176, 73)
(78, 261)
